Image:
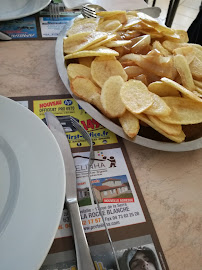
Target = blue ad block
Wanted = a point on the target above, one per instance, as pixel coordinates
(20, 28)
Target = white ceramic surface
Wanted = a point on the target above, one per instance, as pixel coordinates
(107, 4)
(14, 9)
(32, 187)
(91, 110)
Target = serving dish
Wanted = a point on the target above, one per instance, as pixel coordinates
(147, 136)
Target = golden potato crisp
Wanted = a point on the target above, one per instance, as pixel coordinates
(136, 96)
(181, 89)
(74, 70)
(188, 52)
(183, 69)
(198, 83)
(109, 26)
(113, 15)
(130, 124)
(184, 111)
(86, 61)
(94, 52)
(183, 35)
(133, 71)
(80, 41)
(196, 68)
(118, 43)
(170, 129)
(89, 25)
(162, 89)
(157, 64)
(110, 97)
(158, 46)
(158, 107)
(86, 90)
(102, 42)
(176, 138)
(131, 21)
(104, 67)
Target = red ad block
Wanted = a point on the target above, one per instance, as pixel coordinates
(118, 200)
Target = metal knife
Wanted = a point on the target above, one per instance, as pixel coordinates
(151, 11)
(4, 36)
(84, 260)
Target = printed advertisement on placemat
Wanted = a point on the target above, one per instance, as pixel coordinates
(45, 24)
(117, 191)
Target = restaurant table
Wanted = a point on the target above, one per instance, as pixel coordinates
(171, 183)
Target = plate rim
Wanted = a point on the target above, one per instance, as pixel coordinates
(41, 4)
(157, 145)
(37, 235)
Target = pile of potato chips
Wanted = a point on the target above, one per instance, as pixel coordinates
(136, 70)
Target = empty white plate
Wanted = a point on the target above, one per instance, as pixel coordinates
(32, 187)
(14, 9)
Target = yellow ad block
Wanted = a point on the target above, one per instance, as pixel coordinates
(69, 107)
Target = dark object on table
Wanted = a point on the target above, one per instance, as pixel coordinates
(195, 29)
(173, 5)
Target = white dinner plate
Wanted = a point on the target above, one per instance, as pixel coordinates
(32, 187)
(149, 138)
(15, 9)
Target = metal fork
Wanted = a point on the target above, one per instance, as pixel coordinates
(54, 9)
(89, 11)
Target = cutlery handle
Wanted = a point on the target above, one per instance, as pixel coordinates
(84, 260)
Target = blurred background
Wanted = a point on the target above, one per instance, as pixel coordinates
(185, 14)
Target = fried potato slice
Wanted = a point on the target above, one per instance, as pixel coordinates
(74, 70)
(117, 43)
(133, 71)
(104, 67)
(183, 35)
(102, 42)
(101, 51)
(198, 50)
(130, 124)
(80, 41)
(184, 111)
(162, 89)
(131, 21)
(113, 15)
(142, 43)
(166, 31)
(183, 69)
(157, 45)
(176, 138)
(110, 97)
(109, 26)
(196, 68)
(170, 129)
(156, 64)
(170, 45)
(147, 19)
(158, 107)
(86, 61)
(85, 89)
(188, 52)
(181, 89)
(135, 96)
(142, 78)
(199, 89)
(198, 83)
(85, 25)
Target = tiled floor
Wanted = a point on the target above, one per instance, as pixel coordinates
(185, 15)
